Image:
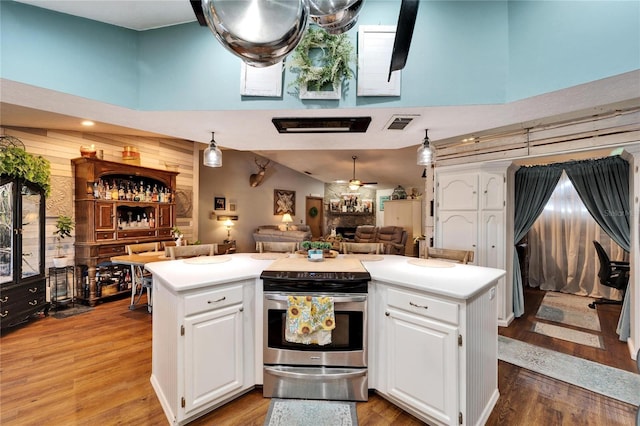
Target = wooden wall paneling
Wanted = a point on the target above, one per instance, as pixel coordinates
(59, 146)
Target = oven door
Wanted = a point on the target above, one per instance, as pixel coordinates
(348, 347)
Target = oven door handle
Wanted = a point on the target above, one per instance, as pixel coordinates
(324, 374)
(336, 299)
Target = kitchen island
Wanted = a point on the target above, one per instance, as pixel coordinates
(432, 327)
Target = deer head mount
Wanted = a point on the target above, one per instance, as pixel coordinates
(256, 178)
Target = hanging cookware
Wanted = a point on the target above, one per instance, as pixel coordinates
(260, 32)
(335, 16)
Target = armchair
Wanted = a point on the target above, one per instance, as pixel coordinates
(394, 239)
(612, 274)
(366, 234)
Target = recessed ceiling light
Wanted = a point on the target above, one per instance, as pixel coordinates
(88, 123)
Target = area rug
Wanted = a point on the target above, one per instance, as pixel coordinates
(304, 412)
(568, 309)
(608, 381)
(69, 312)
(569, 334)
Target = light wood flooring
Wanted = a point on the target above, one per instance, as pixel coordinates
(94, 368)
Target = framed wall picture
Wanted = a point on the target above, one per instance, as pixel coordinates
(383, 198)
(284, 201)
(232, 207)
(219, 203)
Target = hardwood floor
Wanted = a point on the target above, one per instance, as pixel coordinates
(94, 368)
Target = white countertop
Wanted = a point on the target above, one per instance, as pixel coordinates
(458, 281)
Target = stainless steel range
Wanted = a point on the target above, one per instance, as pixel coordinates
(336, 370)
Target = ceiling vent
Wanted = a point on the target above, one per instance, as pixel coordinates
(322, 124)
(399, 122)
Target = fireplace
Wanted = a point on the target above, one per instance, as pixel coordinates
(347, 232)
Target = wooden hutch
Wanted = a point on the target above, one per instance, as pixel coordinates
(105, 225)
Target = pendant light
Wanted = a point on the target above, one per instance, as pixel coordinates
(212, 156)
(424, 151)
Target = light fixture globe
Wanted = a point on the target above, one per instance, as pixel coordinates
(212, 156)
(354, 184)
(425, 153)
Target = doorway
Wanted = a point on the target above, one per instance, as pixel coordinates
(314, 215)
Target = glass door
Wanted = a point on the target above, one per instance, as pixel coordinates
(30, 231)
(6, 232)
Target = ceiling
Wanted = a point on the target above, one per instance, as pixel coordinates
(385, 156)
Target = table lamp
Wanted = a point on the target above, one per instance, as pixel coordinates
(228, 223)
(286, 219)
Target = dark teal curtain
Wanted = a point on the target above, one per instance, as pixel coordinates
(603, 187)
(533, 188)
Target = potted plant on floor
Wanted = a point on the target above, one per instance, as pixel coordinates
(64, 226)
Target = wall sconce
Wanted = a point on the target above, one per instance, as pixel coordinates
(424, 151)
(212, 156)
(287, 219)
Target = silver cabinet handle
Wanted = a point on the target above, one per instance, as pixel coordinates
(216, 301)
(339, 299)
(4, 314)
(330, 376)
(4, 299)
(418, 306)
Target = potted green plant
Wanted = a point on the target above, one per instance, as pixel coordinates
(177, 234)
(64, 226)
(16, 162)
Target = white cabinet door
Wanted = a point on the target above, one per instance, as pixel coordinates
(213, 355)
(492, 239)
(458, 191)
(458, 230)
(422, 365)
(492, 191)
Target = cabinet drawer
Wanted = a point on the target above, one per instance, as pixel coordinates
(212, 299)
(101, 236)
(423, 305)
(134, 234)
(111, 250)
(165, 233)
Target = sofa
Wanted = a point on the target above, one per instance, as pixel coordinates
(393, 238)
(276, 233)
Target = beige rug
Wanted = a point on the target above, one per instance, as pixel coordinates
(569, 334)
(568, 309)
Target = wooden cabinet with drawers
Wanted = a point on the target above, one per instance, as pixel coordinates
(106, 224)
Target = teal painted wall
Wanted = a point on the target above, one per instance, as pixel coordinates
(557, 44)
(463, 52)
(63, 53)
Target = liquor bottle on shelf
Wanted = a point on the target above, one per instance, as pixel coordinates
(154, 194)
(121, 194)
(107, 191)
(114, 190)
(152, 221)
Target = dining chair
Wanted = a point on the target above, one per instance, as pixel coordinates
(182, 252)
(140, 275)
(460, 256)
(141, 248)
(361, 248)
(276, 246)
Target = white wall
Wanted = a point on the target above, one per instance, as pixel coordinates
(254, 206)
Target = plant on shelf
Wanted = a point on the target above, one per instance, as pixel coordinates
(18, 163)
(331, 67)
(64, 226)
